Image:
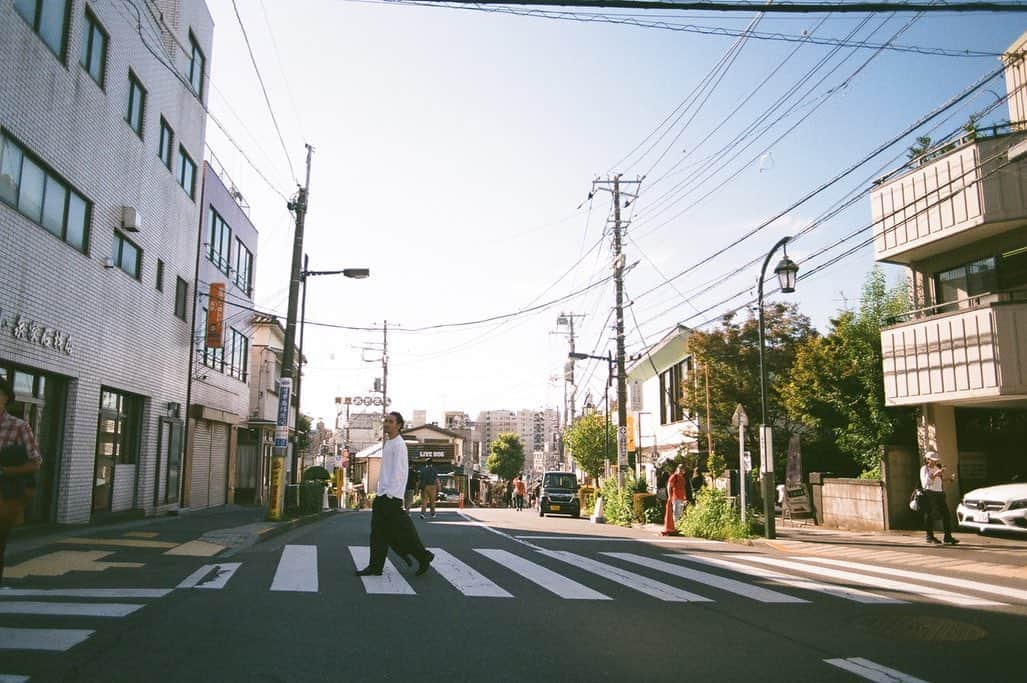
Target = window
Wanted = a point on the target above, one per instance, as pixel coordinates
(243, 267)
(120, 423)
(49, 19)
(41, 195)
(181, 297)
(160, 276)
(238, 354)
(219, 241)
(136, 104)
(671, 394)
(93, 57)
(167, 139)
(196, 65)
(126, 255)
(213, 357)
(186, 172)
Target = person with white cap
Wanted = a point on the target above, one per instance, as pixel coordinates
(932, 482)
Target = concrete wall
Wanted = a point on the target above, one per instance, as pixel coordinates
(856, 504)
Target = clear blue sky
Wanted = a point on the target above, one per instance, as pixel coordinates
(455, 150)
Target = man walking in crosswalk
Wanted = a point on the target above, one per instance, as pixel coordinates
(390, 523)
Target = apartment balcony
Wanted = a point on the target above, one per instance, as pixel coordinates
(967, 353)
(975, 190)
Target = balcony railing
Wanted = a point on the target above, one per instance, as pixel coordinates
(969, 193)
(959, 353)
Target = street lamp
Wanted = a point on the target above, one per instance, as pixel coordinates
(609, 380)
(354, 273)
(785, 271)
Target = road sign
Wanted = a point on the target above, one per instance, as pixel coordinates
(739, 418)
(282, 424)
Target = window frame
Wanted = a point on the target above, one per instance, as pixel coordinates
(242, 267)
(135, 86)
(61, 52)
(181, 297)
(90, 30)
(127, 412)
(166, 143)
(195, 74)
(183, 159)
(118, 254)
(71, 194)
(219, 233)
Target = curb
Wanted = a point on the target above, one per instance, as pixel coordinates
(288, 525)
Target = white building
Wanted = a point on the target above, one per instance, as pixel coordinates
(101, 135)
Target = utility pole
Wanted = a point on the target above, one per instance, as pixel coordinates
(618, 279)
(385, 378)
(276, 499)
(299, 373)
(567, 319)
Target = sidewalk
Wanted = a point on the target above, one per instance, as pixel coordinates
(232, 526)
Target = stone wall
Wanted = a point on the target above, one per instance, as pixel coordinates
(857, 504)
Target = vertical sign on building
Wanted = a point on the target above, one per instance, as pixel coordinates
(276, 499)
(215, 316)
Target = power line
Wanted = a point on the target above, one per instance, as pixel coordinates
(775, 7)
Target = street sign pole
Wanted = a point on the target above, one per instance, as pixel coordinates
(276, 497)
(741, 420)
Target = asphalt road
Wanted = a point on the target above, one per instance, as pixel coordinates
(515, 597)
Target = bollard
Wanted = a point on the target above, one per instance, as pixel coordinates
(324, 500)
(461, 501)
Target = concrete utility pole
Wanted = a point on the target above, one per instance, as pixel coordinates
(618, 278)
(276, 499)
(568, 408)
(385, 380)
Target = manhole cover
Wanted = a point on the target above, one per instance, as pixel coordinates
(921, 628)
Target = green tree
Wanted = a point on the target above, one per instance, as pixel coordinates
(592, 442)
(506, 456)
(836, 388)
(922, 147)
(729, 357)
(302, 433)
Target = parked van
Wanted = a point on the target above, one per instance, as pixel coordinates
(558, 494)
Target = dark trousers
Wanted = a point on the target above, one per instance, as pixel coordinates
(934, 507)
(391, 528)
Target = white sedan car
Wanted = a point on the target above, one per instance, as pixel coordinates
(994, 508)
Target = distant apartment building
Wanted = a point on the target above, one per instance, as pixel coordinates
(956, 218)
(102, 127)
(538, 430)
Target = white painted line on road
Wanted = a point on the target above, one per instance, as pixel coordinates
(225, 571)
(50, 639)
(638, 582)
(11, 678)
(85, 592)
(980, 587)
(69, 609)
(875, 582)
(297, 569)
(464, 578)
(578, 538)
(845, 592)
(546, 578)
(732, 586)
(391, 582)
(872, 671)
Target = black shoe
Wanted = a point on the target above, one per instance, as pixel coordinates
(933, 540)
(951, 541)
(408, 559)
(433, 515)
(422, 515)
(424, 562)
(367, 572)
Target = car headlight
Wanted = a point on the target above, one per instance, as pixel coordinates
(1018, 505)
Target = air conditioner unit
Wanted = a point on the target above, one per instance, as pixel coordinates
(130, 219)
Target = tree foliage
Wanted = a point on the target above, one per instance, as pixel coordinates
(729, 357)
(592, 442)
(302, 436)
(506, 456)
(836, 388)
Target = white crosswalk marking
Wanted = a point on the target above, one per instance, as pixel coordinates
(126, 593)
(8, 678)
(872, 671)
(875, 581)
(297, 569)
(52, 639)
(845, 592)
(212, 576)
(546, 578)
(754, 592)
(68, 609)
(464, 578)
(391, 582)
(980, 587)
(638, 582)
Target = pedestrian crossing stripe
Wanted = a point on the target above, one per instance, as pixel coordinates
(840, 591)
(48, 639)
(553, 582)
(211, 576)
(756, 593)
(877, 582)
(638, 582)
(391, 582)
(464, 578)
(68, 609)
(297, 569)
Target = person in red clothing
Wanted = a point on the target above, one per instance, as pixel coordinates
(678, 492)
(15, 435)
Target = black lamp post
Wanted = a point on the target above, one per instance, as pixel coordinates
(606, 395)
(785, 271)
(354, 273)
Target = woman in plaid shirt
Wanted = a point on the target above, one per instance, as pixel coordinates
(13, 432)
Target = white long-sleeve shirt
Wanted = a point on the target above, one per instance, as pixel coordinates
(392, 480)
(930, 478)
